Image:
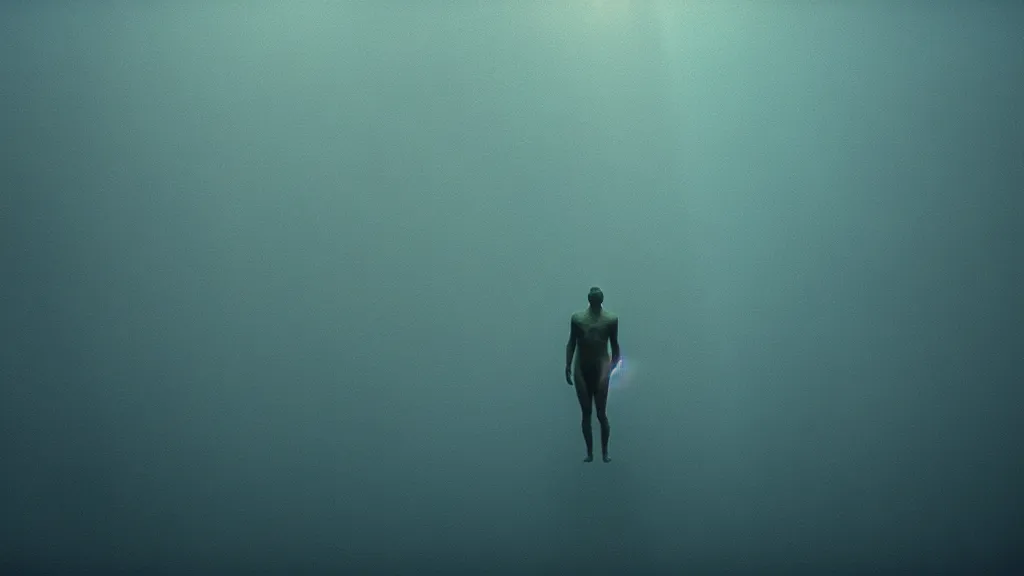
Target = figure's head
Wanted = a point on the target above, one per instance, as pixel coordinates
(595, 297)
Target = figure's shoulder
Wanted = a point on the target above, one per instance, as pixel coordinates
(610, 317)
(582, 317)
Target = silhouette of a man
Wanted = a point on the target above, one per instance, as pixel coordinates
(590, 333)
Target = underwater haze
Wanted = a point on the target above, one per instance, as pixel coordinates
(286, 286)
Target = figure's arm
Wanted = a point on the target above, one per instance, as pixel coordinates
(613, 338)
(570, 347)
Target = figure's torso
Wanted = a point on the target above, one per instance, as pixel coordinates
(594, 331)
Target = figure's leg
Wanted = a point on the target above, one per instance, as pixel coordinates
(601, 399)
(586, 403)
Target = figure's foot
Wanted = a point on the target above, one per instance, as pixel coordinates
(606, 458)
(589, 458)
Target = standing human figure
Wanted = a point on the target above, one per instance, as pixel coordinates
(590, 333)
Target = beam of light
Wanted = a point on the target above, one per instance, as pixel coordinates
(609, 11)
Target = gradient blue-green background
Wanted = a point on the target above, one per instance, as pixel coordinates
(285, 286)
